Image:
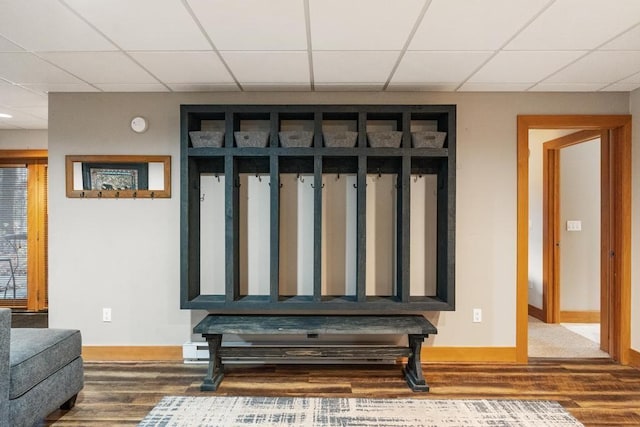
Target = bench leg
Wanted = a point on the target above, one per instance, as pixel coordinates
(69, 404)
(215, 371)
(413, 370)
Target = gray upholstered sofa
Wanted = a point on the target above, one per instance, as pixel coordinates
(40, 371)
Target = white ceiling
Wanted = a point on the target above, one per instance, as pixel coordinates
(310, 45)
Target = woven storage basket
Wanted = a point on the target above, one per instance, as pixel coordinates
(385, 139)
(296, 138)
(428, 139)
(340, 139)
(255, 138)
(206, 138)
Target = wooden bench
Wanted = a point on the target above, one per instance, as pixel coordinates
(417, 328)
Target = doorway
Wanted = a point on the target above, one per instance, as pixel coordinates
(615, 304)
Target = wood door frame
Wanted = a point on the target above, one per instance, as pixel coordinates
(619, 154)
(551, 218)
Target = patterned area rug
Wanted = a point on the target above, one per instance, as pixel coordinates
(302, 411)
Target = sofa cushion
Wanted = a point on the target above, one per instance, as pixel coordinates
(38, 353)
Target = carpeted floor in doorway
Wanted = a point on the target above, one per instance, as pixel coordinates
(187, 411)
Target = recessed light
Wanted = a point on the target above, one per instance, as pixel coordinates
(5, 116)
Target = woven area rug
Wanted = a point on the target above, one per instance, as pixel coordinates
(302, 411)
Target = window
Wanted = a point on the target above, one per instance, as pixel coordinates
(23, 229)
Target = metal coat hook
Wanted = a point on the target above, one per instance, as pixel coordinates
(338, 177)
(135, 194)
(117, 194)
(313, 186)
(217, 176)
(202, 197)
(355, 185)
(82, 194)
(300, 177)
(99, 193)
(416, 178)
(259, 177)
(237, 183)
(153, 195)
(379, 173)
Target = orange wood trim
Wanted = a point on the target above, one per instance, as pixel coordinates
(131, 353)
(634, 358)
(606, 243)
(112, 194)
(469, 354)
(572, 139)
(536, 312)
(621, 302)
(580, 316)
(522, 241)
(22, 155)
(550, 233)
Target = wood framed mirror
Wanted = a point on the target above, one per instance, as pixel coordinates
(110, 177)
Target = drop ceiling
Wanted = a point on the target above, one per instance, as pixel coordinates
(310, 45)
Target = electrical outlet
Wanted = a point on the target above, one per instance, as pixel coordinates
(477, 315)
(106, 315)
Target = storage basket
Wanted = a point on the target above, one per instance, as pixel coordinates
(428, 139)
(254, 138)
(206, 138)
(296, 138)
(385, 139)
(340, 139)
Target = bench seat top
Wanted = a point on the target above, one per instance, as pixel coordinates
(278, 325)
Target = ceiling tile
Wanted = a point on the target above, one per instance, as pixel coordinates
(203, 87)
(268, 67)
(627, 41)
(253, 24)
(577, 24)
(61, 87)
(567, 87)
(495, 87)
(184, 67)
(7, 46)
(426, 87)
(472, 24)
(633, 79)
(144, 24)
(22, 119)
(12, 95)
(621, 87)
(353, 67)
(600, 66)
(352, 87)
(522, 67)
(269, 87)
(139, 87)
(100, 67)
(45, 25)
(38, 112)
(22, 67)
(425, 67)
(362, 24)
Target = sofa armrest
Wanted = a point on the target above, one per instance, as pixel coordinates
(5, 341)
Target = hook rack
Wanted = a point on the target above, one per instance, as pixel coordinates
(313, 186)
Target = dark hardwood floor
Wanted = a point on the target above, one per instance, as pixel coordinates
(596, 391)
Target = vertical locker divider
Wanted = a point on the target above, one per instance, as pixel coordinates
(317, 228)
(232, 228)
(403, 224)
(193, 219)
(274, 189)
(361, 245)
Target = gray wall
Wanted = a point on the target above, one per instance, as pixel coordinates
(23, 139)
(124, 254)
(580, 250)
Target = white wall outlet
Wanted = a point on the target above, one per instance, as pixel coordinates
(106, 315)
(477, 315)
(575, 225)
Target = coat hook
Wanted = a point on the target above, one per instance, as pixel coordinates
(135, 194)
(117, 194)
(379, 173)
(313, 186)
(217, 176)
(259, 177)
(202, 197)
(237, 182)
(153, 194)
(338, 177)
(300, 178)
(355, 185)
(82, 195)
(99, 193)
